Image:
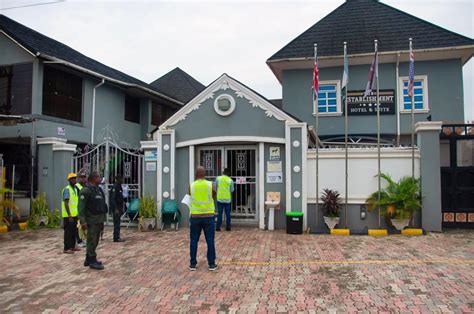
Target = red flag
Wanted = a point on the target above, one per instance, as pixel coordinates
(315, 81)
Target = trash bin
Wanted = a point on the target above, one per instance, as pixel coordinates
(294, 223)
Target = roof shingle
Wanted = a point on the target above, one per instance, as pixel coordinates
(359, 22)
(179, 85)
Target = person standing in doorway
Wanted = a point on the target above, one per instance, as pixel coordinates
(116, 206)
(202, 218)
(81, 183)
(92, 210)
(70, 197)
(224, 189)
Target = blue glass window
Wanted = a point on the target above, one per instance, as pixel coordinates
(327, 98)
(418, 95)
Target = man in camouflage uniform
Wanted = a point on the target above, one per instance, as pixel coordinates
(92, 213)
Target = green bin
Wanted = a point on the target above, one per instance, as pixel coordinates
(294, 222)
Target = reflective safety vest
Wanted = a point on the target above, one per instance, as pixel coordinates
(223, 188)
(201, 198)
(73, 201)
(79, 186)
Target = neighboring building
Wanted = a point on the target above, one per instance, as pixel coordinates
(440, 55)
(45, 80)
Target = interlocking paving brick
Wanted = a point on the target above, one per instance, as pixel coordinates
(260, 272)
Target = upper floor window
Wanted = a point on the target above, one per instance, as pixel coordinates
(62, 94)
(15, 89)
(132, 109)
(160, 113)
(420, 94)
(329, 100)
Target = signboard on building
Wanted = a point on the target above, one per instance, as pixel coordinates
(274, 153)
(151, 155)
(61, 131)
(357, 104)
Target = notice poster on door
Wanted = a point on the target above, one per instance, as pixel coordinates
(275, 177)
(151, 166)
(241, 180)
(275, 153)
(274, 166)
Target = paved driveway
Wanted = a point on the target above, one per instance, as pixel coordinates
(260, 271)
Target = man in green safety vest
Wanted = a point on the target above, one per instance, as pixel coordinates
(202, 218)
(70, 199)
(224, 190)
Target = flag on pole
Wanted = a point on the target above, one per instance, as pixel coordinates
(345, 75)
(315, 81)
(373, 73)
(411, 73)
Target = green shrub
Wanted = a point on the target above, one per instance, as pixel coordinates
(147, 207)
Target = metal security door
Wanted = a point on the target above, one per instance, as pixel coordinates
(242, 164)
(457, 176)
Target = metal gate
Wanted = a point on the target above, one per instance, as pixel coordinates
(242, 162)
(457, 175)
(111, 160)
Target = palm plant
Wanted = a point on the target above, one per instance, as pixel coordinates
(399, 200)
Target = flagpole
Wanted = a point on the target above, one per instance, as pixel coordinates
(316, 130)
(345, 133)
(412, 124)
(378, 127)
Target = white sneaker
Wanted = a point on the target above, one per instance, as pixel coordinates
(82, 244)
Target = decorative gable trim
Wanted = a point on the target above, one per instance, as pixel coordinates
(225, 82)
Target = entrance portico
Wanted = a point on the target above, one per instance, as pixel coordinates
(228, 125)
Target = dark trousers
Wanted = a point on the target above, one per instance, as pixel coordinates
(221, 208)
(70, 233)
(195, 226)
(93, 236)
(117, 217)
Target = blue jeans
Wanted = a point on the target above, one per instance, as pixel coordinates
(220, 208)
(195, 227)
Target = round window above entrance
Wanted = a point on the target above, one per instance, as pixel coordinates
(224, 105)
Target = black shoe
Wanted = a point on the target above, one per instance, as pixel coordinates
(86, 263)
(227, 229)
(213, 267)
(192, 267)
(96, 265)
(218, 229)
(119, 240)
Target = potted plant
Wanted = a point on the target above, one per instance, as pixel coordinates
(40, 210)
(5, 203)
(398, 200)
(331, 204)
(147, 213)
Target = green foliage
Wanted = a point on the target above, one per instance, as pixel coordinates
(404, 195)
(39, 205)
(54, 218)
(331, 203)
(147, 207)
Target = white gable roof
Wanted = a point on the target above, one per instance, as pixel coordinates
(225, 82)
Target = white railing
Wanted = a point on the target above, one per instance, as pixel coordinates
(362, 170)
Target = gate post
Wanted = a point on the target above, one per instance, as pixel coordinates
(54, 163)
(150, 170)
(428, 143)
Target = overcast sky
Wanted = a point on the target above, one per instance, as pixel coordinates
(146, 39)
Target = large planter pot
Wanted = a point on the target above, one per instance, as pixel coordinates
(146, 224)
(3, 229)
(331, 222)
(400, 224)
(43, 220)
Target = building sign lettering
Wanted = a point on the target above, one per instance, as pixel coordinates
(357, 104)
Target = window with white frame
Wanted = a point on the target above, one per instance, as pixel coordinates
(329, 98)
(420, 94)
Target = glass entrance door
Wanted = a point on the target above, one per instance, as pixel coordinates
(242, 163)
